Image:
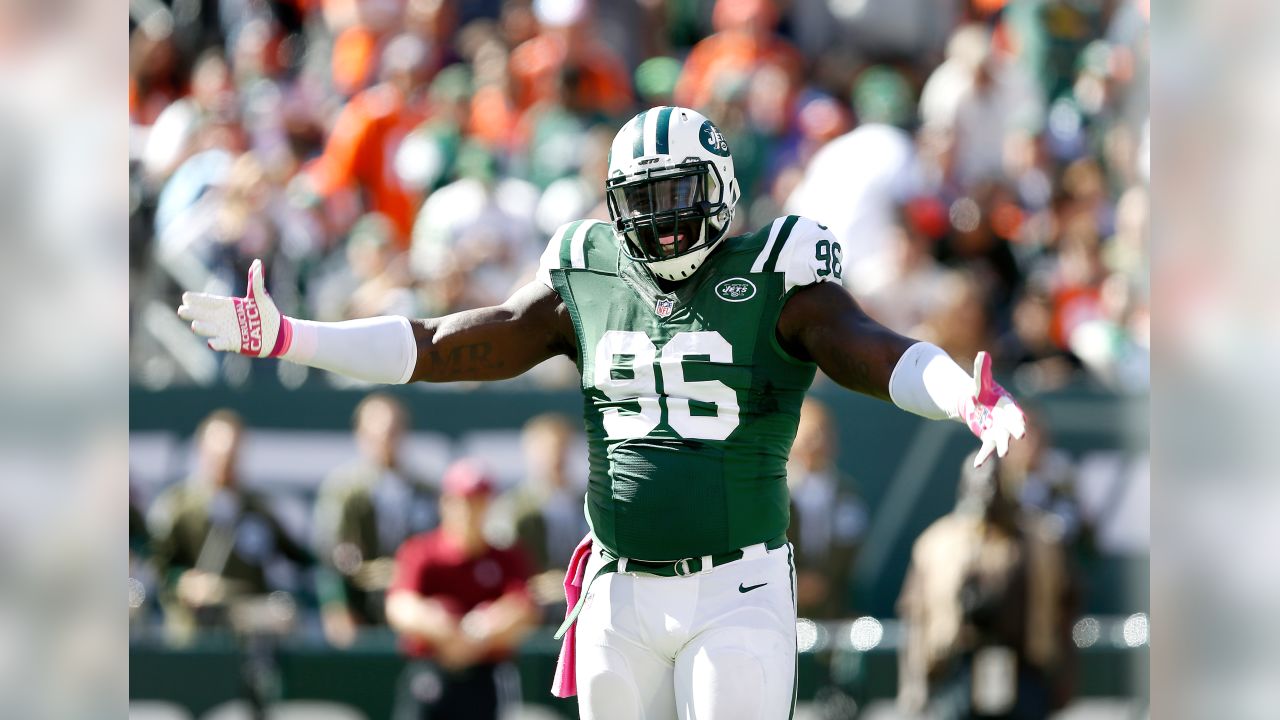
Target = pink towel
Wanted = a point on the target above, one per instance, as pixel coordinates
(565, 683)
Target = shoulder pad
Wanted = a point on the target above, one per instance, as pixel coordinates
(580, 244)
(802, 249)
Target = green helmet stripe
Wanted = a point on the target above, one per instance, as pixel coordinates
(637, 139)
(772, 262)
(663, 131)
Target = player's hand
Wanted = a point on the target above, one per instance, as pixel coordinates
(250, 325)
(991, 413)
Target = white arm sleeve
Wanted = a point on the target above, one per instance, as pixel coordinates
(926, 381)
(378, 349)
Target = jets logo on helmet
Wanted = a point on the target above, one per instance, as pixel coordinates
(713, 140)
(671, 189)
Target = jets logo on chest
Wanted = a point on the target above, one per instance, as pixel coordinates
(664, 306)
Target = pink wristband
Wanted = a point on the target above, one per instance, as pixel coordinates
(284, 338)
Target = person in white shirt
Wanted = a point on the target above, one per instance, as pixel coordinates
(974, 100)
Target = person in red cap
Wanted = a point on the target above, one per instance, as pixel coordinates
(460, 606)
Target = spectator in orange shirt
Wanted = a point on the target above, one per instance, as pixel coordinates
(361, 147)
(354, 53)
(568, 45)
(493, 116)
(744, 40)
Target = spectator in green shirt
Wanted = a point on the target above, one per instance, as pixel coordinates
(215, 542)
(364, 511)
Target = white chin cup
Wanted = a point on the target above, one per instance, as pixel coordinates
(680, 268)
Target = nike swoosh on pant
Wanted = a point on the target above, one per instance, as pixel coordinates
(742, 589)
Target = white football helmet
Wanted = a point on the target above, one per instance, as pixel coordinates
(671, 190)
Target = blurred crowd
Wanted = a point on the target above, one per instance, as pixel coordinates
(985, 163)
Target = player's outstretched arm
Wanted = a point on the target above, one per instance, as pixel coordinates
(484, 344)
(494, 343)
(823, 323)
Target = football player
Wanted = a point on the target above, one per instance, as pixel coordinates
(695, 351)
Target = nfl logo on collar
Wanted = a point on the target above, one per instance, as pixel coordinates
(664, 306)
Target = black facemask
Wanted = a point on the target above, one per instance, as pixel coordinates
(664, 216)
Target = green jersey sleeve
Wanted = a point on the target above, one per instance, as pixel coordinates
(803, 250)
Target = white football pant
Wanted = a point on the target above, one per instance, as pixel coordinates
(718, 645)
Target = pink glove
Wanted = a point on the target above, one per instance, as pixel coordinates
(250, 325)
(991, 413)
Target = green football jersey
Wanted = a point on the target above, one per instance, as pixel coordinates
(690, 403)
